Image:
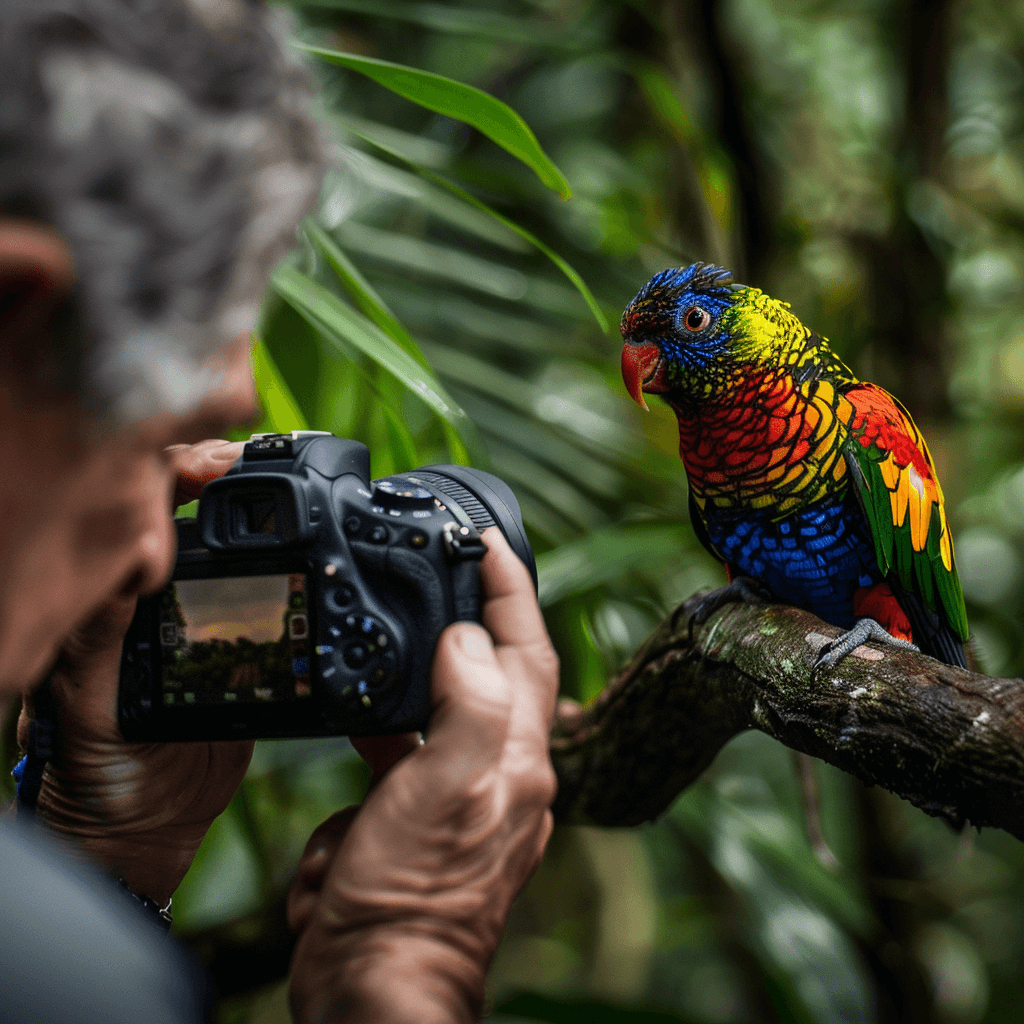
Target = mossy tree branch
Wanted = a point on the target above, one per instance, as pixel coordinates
(947, 740)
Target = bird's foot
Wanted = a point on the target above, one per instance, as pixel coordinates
(863, 629)
(742, 590)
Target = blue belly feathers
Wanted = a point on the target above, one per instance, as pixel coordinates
(816, 558)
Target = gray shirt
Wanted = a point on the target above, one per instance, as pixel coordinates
(75, 948)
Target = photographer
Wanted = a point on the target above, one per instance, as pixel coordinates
(155, 156)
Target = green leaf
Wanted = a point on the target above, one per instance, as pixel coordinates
(605, 555)
(479, 24)
(659, 91)
(490, 328)
(546, 445)
(521, 470)
(349, 329)
(361, 291)
(282, 410)
(374, 307)
(384, 176)
(472, 200)
(401, 440)
(498, 121)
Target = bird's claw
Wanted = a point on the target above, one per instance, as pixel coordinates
(743, 590)
(863, 630)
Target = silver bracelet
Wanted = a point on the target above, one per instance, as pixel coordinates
(157, 914)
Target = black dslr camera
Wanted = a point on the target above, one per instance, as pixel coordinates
(306, 600)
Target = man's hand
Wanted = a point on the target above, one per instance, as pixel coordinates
(401, 902)
(142, 809)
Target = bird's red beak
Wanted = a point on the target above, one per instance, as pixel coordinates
(643, 369)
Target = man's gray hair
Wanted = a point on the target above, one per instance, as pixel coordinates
(171, 143)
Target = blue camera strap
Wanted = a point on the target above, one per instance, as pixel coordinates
(29, 770)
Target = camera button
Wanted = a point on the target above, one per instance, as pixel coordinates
(419, 540)
(334, 631)
(339, 599)
(360, 624)
(355, 655)
(377, 535)
(352, 525)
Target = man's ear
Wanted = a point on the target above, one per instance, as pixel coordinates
(37, 276)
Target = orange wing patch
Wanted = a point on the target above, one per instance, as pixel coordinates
(906, 467)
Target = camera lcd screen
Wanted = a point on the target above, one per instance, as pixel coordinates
(235, 639)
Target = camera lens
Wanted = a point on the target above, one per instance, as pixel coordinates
(486, 500)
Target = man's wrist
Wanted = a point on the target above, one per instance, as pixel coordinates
(387, 973)
(152, 863)
(146, 867)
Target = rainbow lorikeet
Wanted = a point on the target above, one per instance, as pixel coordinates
(817, 486)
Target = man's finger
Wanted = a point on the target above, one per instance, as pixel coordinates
(324, 842)
(198, 464)
(510, 610)
(320, 851)
(512, 616)
(472, 702)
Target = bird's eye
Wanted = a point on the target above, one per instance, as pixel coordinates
(696, 319)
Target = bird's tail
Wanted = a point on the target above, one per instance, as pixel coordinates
(931, 632)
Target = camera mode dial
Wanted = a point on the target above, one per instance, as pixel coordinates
(402, 495)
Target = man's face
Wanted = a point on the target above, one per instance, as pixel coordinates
(83, 521)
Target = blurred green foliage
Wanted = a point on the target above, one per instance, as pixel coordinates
(863, 159)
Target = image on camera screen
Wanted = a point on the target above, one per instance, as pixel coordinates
(235, 639)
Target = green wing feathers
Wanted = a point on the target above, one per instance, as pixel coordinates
(894, 476)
